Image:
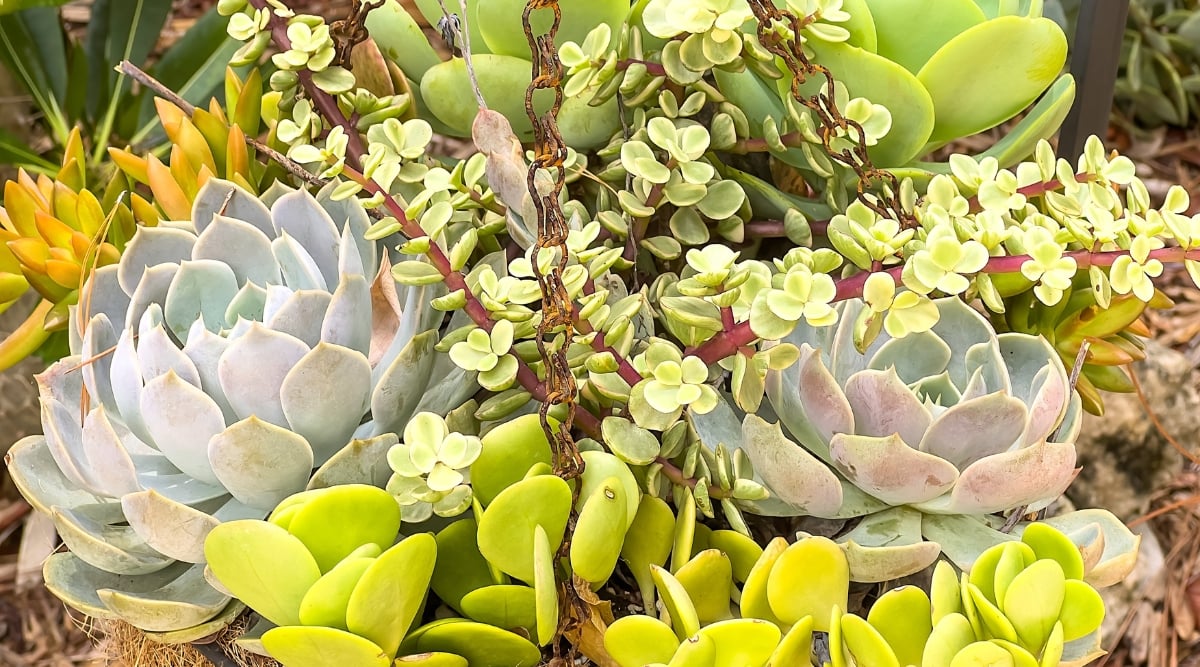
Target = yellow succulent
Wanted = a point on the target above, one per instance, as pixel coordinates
(53, 233)
(210, 143)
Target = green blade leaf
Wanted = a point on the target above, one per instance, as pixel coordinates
(10, 6)
(24, 58)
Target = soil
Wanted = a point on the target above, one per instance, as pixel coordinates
(1160, 630)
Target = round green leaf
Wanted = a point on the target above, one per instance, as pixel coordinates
(983, 654)
(708, 580)
(1048, 542)
(545, 588)
(325, 603)
(334, 522)
(629, 442)
(507, 527)
(500, 23)
(866, 644)
(990, 72)
(648, 542)
(460, 568)
(907, 36)
(950, 635)
(794, 593)
(392, 591)
(264, 566)
(315, 646)
(504, 606)
(482, 645)
(743, 552)
(754, 601)
(742, 641)
(695, 651)
(1082, 610)
(600, 467)
(635, 641)
(597, 541)
(903, 618)
(509, 451)
(1034, 600)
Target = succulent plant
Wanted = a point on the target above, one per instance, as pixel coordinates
(917, 404)
(1023, 603)
(53, 233)
(428, 468)
(220, 362)
(209, 144)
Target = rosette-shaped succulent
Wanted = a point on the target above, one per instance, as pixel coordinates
(220, 362)
(953, 421)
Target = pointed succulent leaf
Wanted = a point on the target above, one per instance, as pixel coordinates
(789, 471)
(242, 247)
(182, 420)
(173, 529)
(253, 368)
(324, 397)
(260, 463)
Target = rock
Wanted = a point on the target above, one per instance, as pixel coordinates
(1123, 456)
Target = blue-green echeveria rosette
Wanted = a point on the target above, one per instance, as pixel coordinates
(922, 433)
(224, 359)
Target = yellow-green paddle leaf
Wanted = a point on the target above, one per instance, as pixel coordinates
(325, 603)
(431, 660)
(1048, 542)
(742, 642)
(596, 543)
(1020, 656)
(796, 646)
(648, 542)
(983, 654)
(507, 527)
(1082, 610)
(742, 551)
(944, 595)
(698, 651)
(754, 602)
(636, 641)
(509, 451)
(460, 567)
(481, 644)
(1053, 653)
(685, 531)
(907, 36)
(335, 521)
(903, 617)
(990, 72)
(993, 620)
(392, 591)
(315, 646)
(599, 467)
(866, 644)
(1034, 600)
(1013, 561)
(708, 580)
(810, 578)
(545, 588)
(504, 606)
(675, 598)
(264, 566)
(950, 635)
